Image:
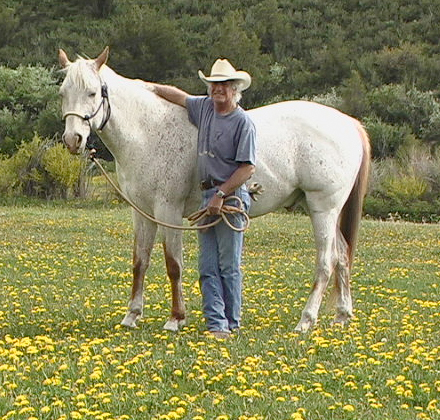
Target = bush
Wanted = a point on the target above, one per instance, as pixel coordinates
(414, 211)
(28, 104)
(386, 138)
(407, 186)
(330, 98)
(42, 168)
(63, 168)
(397, 105)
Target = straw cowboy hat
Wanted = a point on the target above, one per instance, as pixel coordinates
(222, 71)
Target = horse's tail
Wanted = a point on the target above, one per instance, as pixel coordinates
(351, 214)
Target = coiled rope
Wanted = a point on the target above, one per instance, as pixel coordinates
(194, 218)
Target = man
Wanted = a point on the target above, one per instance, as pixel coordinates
(226, 160)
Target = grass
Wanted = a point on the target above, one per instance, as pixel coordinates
(65, 276)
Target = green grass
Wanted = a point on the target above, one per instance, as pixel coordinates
(65, 276)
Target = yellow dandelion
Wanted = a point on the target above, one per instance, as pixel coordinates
(348, 407)
(432, 405)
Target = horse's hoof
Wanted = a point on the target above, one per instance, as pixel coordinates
(342, 319)
(304, 325)
(174, 324)
(130, 319)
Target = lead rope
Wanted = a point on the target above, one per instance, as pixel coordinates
(193, 218)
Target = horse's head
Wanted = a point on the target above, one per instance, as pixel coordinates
(83, 97)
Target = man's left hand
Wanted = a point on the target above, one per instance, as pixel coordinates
(214, 206)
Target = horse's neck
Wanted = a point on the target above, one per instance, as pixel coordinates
(134, 111)
(131, 101)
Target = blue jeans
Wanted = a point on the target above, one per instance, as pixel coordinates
(220, 250)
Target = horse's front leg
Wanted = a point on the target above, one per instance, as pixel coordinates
(324, 225)
(173, 257)
(144, 235)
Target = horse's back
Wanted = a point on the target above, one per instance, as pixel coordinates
(303, 146)
(304, 120)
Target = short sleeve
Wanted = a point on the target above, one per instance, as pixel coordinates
(246, 146)
(194, 106)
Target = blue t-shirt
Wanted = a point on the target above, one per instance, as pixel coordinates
(224, 141)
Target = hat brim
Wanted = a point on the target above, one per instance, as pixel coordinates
(243, 77)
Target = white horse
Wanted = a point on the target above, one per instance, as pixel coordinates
(307, 154)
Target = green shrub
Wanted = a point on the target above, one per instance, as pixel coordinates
(64, 168)
(386, 138)
(406, 187)
(42, 168)
(397, 105)
(415, 211)
(330, 98)
(28, 103)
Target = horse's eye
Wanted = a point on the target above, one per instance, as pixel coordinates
(92, 94)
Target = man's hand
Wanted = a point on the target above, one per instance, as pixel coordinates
(214, 206)
(150, 86)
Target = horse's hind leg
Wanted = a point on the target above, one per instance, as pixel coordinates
(344, 304)
(173, 258)
(324, 225)
(144, 234)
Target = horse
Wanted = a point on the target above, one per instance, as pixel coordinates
(307, 154)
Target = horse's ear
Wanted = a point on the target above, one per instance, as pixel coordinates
(62, 58)
(102, 59)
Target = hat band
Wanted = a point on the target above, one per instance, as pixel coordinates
(221, 75)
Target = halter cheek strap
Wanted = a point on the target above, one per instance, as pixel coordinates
(87, 117)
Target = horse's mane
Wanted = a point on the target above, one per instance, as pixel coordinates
(81, 73)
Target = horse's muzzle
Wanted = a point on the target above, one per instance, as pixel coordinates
(73, 142)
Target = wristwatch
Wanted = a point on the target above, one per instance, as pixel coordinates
(220, 194)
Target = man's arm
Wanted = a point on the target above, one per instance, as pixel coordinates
(238, 178)
(170, 93)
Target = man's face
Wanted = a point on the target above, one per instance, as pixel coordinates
(222, 92)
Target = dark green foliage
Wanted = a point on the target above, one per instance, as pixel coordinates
(386, 138)
(397, 105)
(28, 104)
(377, 61)
(411, 210)
(145, 44)
(42, 168)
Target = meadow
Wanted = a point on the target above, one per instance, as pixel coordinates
(65, 279)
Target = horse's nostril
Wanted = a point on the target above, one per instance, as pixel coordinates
(78, 141)
(72, 141)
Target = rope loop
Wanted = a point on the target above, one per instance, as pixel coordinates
(195, 218)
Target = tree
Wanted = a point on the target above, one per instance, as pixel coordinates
(28, 103)
(243, 50)
(354, 96)
(8, 24)
(146, 44)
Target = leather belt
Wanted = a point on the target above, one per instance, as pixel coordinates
(207, 184)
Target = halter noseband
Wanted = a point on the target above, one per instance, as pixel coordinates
(105, 118)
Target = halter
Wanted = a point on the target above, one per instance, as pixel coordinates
(105, 118)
